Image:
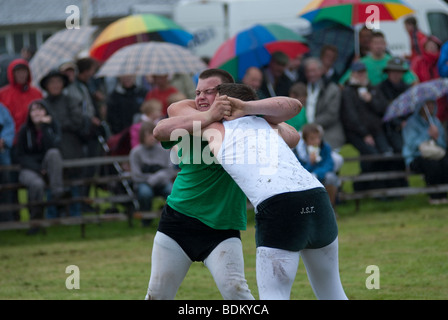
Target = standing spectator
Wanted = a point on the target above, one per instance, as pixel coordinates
(294, 70)
(6, 141)
(91, 121)
(298, 91)
(39, 156)
(329, 56)
(376, 61)
(253, 78)
(67, 113)
(162, 90)
(151, 168)
(323, 103)
(421, 127)
(275, 81)
(123, 103)
(361, 114)
(417, 37)
(425, 65)
(316, 156)
(18, 94)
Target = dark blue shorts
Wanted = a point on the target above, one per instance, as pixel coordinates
(296, 220)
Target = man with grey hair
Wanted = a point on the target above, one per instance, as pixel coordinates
(323, 103)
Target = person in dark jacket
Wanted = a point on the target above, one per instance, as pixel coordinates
(67, 112)
(123, 103)
(39, 156)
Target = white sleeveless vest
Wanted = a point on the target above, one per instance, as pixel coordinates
(260, 162)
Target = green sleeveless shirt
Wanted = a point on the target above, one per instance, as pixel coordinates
(203, 189)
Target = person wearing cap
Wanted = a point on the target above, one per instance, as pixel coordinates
(389, 90)
(18, 94)
(67, 113)
(361, 116)
(275, 81)
(376, 61)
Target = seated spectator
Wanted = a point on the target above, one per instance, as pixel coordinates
(425, 65)
(6, 135)
(6, 141)
(123, 103)
(39, 156)
(421, 127)
(151, 169)
(161, 90)
(298, 91)
(151, 111)
(315, 156)
(443, 61)
(387, 91)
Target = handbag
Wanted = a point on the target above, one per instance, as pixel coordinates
(430, 150)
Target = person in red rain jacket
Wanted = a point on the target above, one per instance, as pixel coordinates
(425, 66)
(18, 94)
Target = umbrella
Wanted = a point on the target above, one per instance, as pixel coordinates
(354, 12)
(407, 102)
(60, 47)
(135, 29)
(151, 58)
(253, 48)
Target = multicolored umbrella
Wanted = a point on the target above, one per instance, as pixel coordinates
(135, 29)
(151, 58)
(353, 12)
(62, 46)
(409, 101)
(253, 48)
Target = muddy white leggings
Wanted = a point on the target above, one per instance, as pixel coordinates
(276, 270)
(170, 264)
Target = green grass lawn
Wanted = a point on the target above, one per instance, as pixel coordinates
(406, 239)
(408, 244)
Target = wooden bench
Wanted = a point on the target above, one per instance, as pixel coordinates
(128, 199)
(383, 176)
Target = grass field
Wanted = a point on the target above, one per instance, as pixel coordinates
(405, 239)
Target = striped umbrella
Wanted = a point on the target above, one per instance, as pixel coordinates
(135, 29)
(353, 13)
(62, 46)
(151, 58)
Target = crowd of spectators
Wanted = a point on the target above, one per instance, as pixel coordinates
(343, 108)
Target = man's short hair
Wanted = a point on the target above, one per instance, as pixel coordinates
(222, 74)
(238, 90)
